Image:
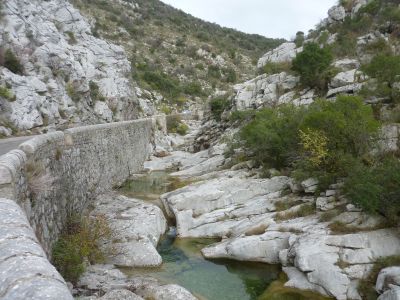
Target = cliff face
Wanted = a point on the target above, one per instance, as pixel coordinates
(55, 73)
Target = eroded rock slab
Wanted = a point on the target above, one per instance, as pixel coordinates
(214, 207)
(136, 228)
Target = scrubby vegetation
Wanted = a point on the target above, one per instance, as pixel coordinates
(175, 125)
(386, 69)
(11, 62)
(174, 53)
(327, 140)
(95, 92)
(6, 93)
(79, 244)
(313, 65)
(218, 106)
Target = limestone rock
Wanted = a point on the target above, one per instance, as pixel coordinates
(120, 295)
(347, 64)
(310, 185)
(263, 90)
(214, 207)
(345, 78)
(136, 226)
(392, 294)
(284, 53)
(262, 248)
(54, 87)
(387, 278)
(336, 14)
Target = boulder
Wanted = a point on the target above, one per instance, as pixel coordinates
(346, 78)
(136, 229)
(336, 14)
(392, 294)
(284, 53)
(310, 185)
(264, 90)
(214, 207)
(388, 278)
(262, 248)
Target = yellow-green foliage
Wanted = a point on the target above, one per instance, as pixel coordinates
(7, 94)
(80, 242)
(72, 92)
(315, 143)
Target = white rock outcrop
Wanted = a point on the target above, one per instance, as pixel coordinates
(62, 62)
(136, 229)
(284, 53)
(264, 90)
(215, 207)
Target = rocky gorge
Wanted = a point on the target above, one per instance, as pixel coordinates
(216, 208)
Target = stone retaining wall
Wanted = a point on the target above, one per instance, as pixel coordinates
(51, 177)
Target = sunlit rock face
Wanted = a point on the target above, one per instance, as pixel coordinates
(68, 76)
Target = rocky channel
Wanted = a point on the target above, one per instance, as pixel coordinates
(244, 212)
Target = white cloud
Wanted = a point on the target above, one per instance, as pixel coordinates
(271, 18)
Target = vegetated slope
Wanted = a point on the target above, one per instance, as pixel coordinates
(327, 106)
(174, 53)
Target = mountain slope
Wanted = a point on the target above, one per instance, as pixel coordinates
(178, 55)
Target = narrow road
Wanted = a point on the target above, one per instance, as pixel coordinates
(9, 144)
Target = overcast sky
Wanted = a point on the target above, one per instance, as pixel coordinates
(271, 18)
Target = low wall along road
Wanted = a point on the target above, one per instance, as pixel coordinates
(49, 177)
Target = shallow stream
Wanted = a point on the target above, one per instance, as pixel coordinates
(183, 263)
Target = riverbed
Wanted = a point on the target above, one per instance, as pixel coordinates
(184, 265)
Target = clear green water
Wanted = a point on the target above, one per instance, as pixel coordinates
(211, 280)
(183, 263)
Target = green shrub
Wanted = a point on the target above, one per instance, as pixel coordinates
(7, 94)
(95, 93)
(230, 75)
(218, 106)
(324, 140)
(386, 69)
(12, 63)
(71, 38)
(175, 125)
(312, 64)
(72, 92)
(274, 68)
(79, 242)
(273, 136)
(376, 188)
(163, 83)
(193, 89)
(299, 39)
(182, 129)
(214, 72)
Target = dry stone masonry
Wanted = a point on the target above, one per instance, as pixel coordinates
(44, 181)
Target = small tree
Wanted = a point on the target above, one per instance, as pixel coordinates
(299, 39)
(313, 65)
(273, 136)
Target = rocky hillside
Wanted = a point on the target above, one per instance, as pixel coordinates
(59, 68)
(324, 112)
(178, 58)
(354, 32)
(54, 73)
